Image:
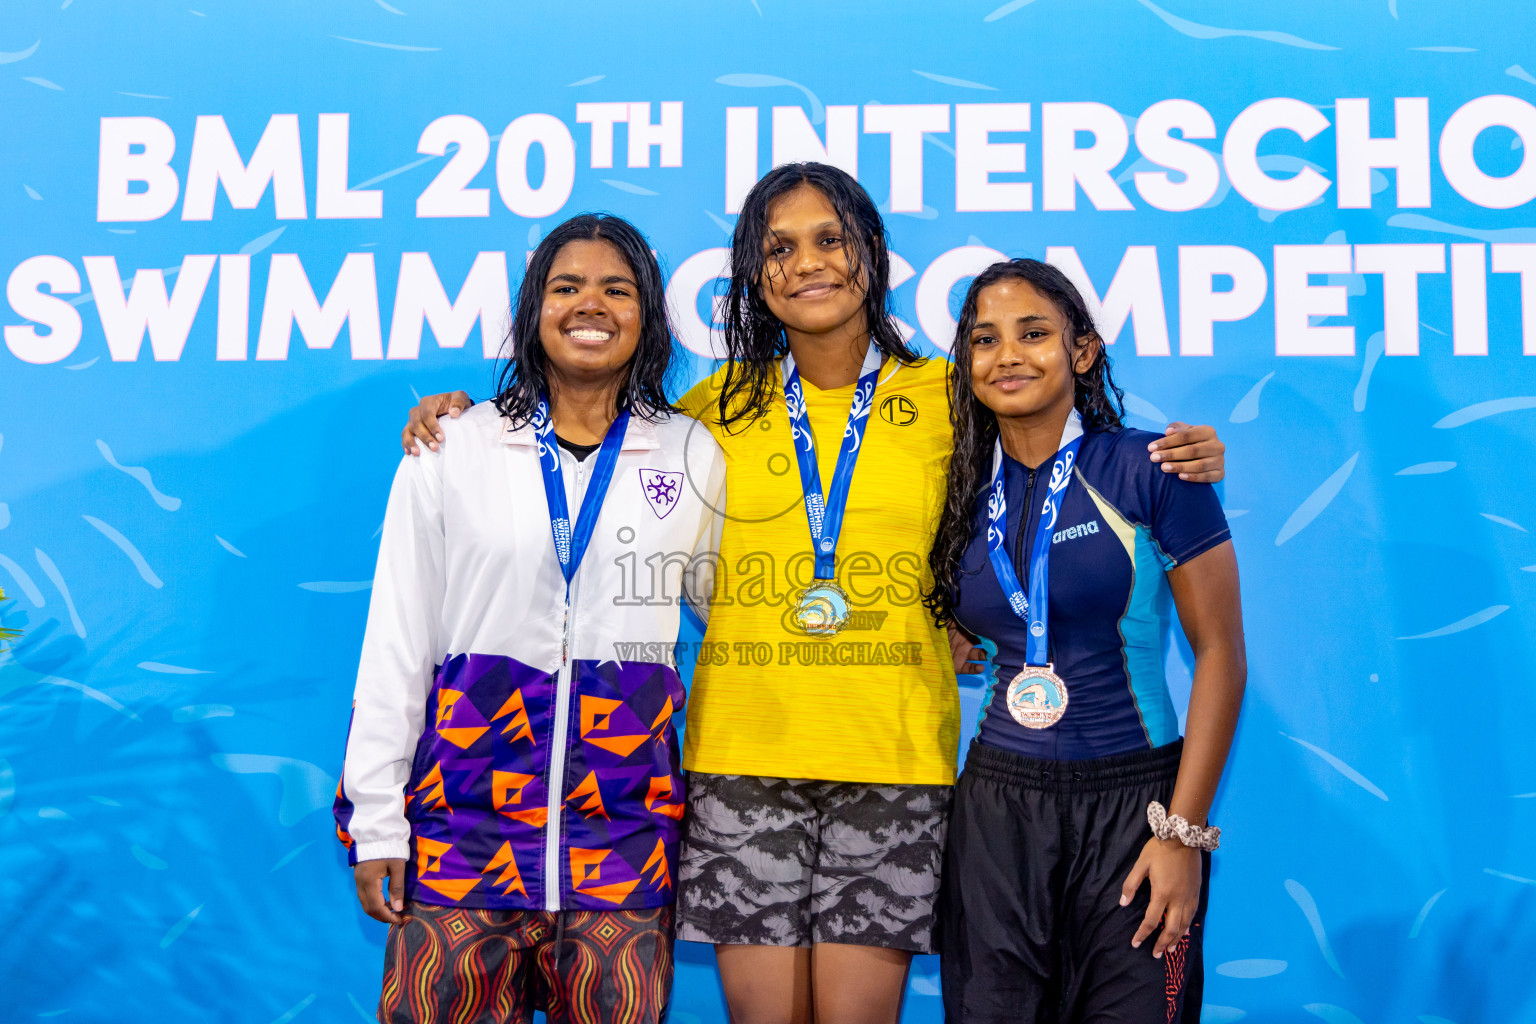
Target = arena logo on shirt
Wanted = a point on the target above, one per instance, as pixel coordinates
(1074, 532)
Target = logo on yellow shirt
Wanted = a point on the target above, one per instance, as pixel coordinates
(898, 411)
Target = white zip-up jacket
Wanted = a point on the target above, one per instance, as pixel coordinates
(518, 756)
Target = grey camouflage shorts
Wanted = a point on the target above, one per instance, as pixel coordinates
(791, 862)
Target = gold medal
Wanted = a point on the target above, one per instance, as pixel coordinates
(1037, 697)
(821, 609)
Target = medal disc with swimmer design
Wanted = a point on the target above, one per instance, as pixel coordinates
(1037, 697)
(822, 609)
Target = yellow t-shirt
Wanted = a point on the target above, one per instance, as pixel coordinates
(878, 702)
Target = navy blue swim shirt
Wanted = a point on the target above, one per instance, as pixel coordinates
(1123, 523)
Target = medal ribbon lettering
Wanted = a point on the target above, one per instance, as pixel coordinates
(825, 514)
(1034, 609)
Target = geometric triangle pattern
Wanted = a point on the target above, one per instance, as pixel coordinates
(478, 799)
(624, 790)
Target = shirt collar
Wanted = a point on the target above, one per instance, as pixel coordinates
(1071, 431)
(640, 435)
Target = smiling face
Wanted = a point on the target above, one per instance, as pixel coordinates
(1022, 358)
(590, 320)
(806, 281)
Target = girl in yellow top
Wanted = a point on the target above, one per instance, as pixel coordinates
(821, 763)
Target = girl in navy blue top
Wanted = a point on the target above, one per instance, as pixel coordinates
(1079, 827)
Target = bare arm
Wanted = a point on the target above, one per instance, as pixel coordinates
(1206, 593)
(1195, 453)
(422, 426)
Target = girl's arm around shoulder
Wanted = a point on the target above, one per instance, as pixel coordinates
(1191, 453)
(1184, 517)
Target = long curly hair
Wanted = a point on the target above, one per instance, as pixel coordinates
(524, 375)
(754, 337)
(1095, 396)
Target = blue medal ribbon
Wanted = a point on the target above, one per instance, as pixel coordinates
(825, 513)
(571, 545)
(1035, 609)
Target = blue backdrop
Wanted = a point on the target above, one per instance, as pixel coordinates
(188, 530)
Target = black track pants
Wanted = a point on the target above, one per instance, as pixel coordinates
(1030, 923)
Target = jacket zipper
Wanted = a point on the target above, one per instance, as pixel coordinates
(1020, 566)
(554, 825)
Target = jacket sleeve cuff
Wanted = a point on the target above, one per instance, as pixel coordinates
(386, 849)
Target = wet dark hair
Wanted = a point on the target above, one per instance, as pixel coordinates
(524, 376)
(754, 337)
(1096, 397)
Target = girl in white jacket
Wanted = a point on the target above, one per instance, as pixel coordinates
(512, 766)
